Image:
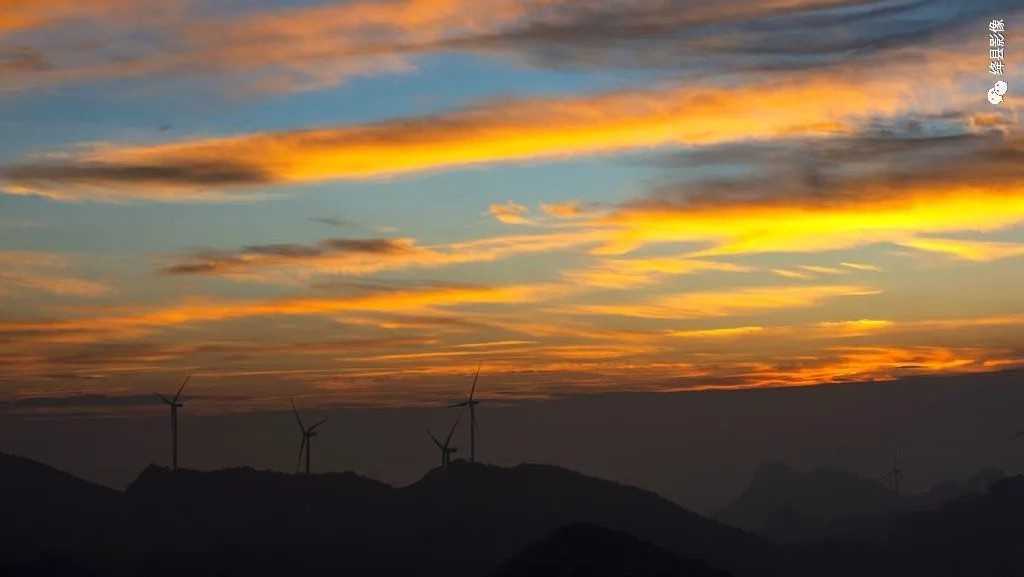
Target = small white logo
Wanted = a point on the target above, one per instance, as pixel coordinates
(995, 94)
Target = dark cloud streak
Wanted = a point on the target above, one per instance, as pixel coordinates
(215, 262)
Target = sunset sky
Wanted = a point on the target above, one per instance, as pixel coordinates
(358, 203)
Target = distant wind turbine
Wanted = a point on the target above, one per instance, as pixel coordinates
(175, 405)
(307, 438)
(895, 475)
(471, 403)
(446, 449)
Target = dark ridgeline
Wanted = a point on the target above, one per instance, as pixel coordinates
(307, 438)
(462, 520)
(175, 404)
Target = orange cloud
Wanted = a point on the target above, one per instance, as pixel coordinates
(861, 266)
(786, 273)
(278, 49)
(133, 323)
(568, 209)
(870, 363)
(864, 213)
(496, 132)
(726, 333)
(18, 15)
(978, 251)
(510, 213)
(728, 302)
(855, 328)
(288, 262)
(44, 272)
(627, 273)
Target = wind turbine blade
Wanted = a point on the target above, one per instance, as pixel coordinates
(313, 428)
(298, 460)
(164, 399)
(457, 405)
(436, 442)
(472, 391)
(181, 388)
(298, 419)
(452, 431)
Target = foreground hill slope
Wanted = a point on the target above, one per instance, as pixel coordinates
(585, 549)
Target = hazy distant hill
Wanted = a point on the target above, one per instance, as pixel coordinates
(583, 549)
(784, 504)
(977, 534)
(787, 504)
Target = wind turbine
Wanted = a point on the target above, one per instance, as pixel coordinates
(175, 405)
(307, 438)
(895, 475)
(471, 403)
(446, 449)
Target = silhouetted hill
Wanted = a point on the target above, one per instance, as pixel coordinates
(978, 534)
(459, 521)
(462, 520)
(787, 504)
(498, 511)
(585, 549)
(44, 510)
(941, 493)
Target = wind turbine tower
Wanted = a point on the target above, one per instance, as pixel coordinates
(471, 403)
(307, 438)
(175, 404)
(896, 474)
(446, 449)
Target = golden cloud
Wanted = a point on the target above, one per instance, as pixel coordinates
(728, 302)
(496, 132)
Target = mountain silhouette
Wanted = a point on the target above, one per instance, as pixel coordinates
(468, 519)
(46, 510)
(459, 520)
(585, 549)
(976, 534)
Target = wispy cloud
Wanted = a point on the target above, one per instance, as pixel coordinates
(363, 256)
(979, 251)
(628, 273)
(194, 311)
(510, 213)
(48, 273)
(274, 49)
(728, 302)
(287, 48)
(567, 209)
(487, 133)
